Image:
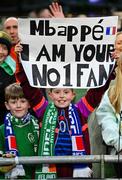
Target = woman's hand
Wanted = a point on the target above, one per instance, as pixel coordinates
(115, 55)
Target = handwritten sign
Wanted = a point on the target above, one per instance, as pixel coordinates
(68, 52)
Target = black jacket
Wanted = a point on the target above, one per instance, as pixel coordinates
(5, 80)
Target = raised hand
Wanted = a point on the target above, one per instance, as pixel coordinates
(56, 10)
(115, 55)
(18, 48)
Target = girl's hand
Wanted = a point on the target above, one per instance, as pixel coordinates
(115, 55)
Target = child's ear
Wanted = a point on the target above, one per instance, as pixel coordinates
(50, 94)
(74, 94)
(29, 106)
(7, 106)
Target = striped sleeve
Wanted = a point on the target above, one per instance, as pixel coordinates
(34, 95)
(84, 107)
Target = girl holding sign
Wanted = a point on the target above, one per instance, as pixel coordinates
(96, 143)
(109, 114)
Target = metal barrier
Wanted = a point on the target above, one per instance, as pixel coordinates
(64, 159)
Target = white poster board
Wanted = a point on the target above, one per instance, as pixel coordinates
(68, 52)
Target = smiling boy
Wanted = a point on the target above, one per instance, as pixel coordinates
(19, 133)
(63, 126)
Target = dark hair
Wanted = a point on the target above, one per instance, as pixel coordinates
(13, 91)
(50, 89)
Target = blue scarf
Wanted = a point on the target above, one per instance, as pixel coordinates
(10, 141)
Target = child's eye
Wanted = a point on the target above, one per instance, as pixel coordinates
(57, 92)
(13, 101)
(23, 100)
(66, 91)
(4, 47)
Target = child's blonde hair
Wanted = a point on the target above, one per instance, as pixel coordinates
(13, 91)
(115, 92)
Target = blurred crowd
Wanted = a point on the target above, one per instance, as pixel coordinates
(69, 11)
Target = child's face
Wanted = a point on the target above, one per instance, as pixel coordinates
(18, 107)
(3, 52)
(118, 44)
(62, 97)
